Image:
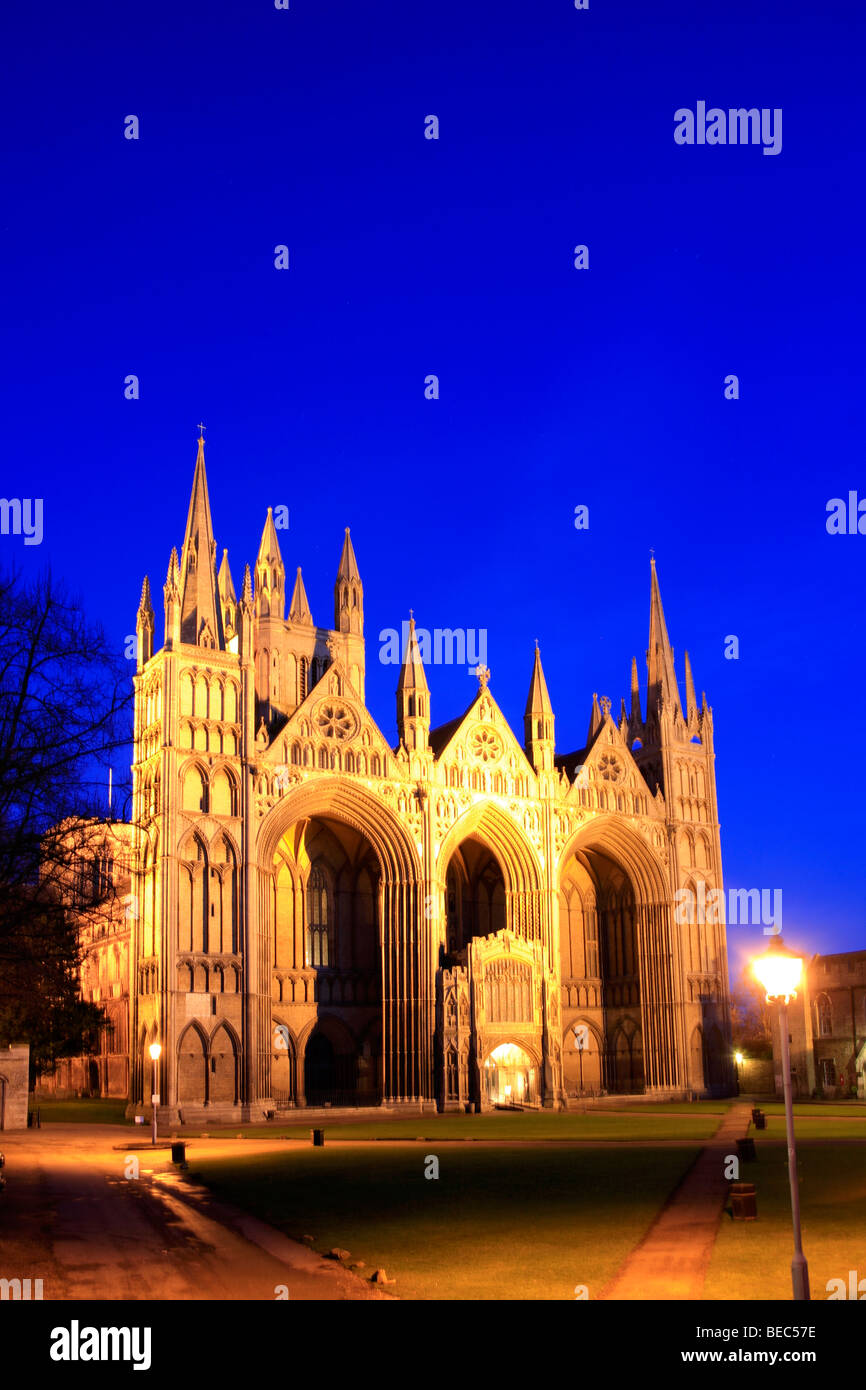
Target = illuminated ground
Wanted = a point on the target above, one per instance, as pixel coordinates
(498, 1223)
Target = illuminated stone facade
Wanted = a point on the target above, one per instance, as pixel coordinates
(323, 919)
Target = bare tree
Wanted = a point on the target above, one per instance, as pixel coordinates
(65, 718)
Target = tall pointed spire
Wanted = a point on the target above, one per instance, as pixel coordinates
(144, 625)
(228, 600)
(299, 610)
(270, 574)
(662, 681)
(413, 694)
(691, 701)
(538, 719)
(538, 700)
(200, 617)
(224, 581)
(595, 720)
(171, 594)
(348, 592)
(636, 716)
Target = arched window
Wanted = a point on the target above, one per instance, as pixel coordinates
(317, 918)
(825, 1018)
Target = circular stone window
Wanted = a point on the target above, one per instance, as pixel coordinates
(336, 721)
(486, 745)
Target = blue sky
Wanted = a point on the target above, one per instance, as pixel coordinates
(558, 387)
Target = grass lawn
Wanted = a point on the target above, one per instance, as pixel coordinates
(812, 1127)
(675, 1107)
(91, 1111)
(520, 1125)
(812, 1108)
(497, 1224)
(752, 1259)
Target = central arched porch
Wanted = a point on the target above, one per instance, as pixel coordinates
(345, 950)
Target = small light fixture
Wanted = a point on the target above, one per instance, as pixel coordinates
(155, 1051)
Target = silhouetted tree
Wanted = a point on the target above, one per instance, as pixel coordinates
(65, 714)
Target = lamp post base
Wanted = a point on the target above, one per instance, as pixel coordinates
(800, 1279)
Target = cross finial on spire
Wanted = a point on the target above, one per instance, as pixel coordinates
(201, 429)
(483, 674)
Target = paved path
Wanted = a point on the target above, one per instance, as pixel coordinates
(71, 1218)
(671, 1261)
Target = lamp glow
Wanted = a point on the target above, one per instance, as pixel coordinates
(738, 1058)
(155, 1051)
(780, 972)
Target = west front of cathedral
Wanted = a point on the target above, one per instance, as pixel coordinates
(460, 922)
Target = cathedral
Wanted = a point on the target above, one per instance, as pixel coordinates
(462, 922)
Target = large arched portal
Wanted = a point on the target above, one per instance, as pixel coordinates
(325, 955)
(344, 937)
(616, 957)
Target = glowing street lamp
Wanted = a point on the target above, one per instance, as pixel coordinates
(780, 972)
(738, 1059)
(155, 1050)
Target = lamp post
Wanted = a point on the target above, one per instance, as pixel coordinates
(155, 1051)
(780, 971)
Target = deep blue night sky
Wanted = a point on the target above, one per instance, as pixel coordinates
(408, 256)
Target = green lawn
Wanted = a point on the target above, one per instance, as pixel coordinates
(752, 1259)
(520, 1125)
(856, 1109)
(820, 1126)
(497, 1224)
(92, 1111)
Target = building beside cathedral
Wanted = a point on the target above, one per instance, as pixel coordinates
(463, 921)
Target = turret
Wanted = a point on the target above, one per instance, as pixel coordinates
(144, 625)
(348, 592)
(413, 696)
(171, 592)
(270, 574)
(200, 618)
(538, 720)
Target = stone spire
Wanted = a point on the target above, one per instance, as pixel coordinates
(270, 574)
(299, 609)
(171, 593)
(538, 719)
(144, 625)
(691, 700)
(662, 686)
(595, 720)
(413, 694)
(228, 599)
(348, 592)
(636, 716)
(200, 617)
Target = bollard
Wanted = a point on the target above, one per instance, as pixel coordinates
(178, 1153)
(760, 1120)
(746, 1150)
(756, 1111)
(744, 1202)
(318, 1138)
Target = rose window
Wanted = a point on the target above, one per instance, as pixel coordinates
(335, 721)
(486, 745)
(610, 768)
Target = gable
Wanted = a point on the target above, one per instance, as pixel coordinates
(332, 722)
(609, 774)
(482, 740)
